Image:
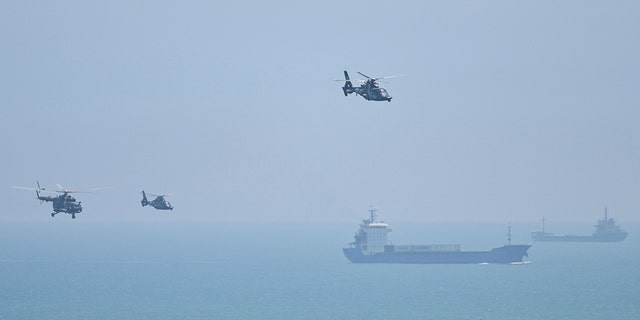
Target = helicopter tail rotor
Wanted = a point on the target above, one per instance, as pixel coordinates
(38, 191)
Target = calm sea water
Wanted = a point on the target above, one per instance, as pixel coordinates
(89, 270)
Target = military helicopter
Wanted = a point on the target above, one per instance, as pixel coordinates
(370, 89)
(159, 202)
(62, 203)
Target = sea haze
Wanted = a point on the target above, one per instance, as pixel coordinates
(158, 270)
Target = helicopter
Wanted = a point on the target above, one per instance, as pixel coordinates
(159, 202)
(62, 203)
(370, 89)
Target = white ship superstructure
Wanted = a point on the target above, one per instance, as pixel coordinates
(372, 235)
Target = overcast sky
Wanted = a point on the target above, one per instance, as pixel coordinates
(507, 110)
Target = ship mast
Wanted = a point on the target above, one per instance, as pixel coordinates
(372, 211)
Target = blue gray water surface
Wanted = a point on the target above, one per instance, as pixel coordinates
(138, 270)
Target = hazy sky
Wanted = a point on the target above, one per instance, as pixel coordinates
(508, 110)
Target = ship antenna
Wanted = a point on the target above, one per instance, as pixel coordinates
(509, 234)
(373, 213)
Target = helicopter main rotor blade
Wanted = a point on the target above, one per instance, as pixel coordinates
(63, 190)
(355, 80)
(364, 75)
(158, 195)
(97, 189)
(25, 188)
(389, 77)
(32, 189)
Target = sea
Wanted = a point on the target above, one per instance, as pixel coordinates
(75, 269)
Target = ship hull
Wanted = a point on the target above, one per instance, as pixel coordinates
(575, 238)
(506, 254)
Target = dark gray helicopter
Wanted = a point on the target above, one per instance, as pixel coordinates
(370, 89)
(159, 202)
(62, 203)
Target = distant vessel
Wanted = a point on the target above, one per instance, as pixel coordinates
(371, 246)
(605, 231)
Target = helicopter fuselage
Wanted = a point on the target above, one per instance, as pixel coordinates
(369, 90)
(159, 203)
(373, 93)
(63, 203)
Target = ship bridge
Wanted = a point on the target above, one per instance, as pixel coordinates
(378, 225)
(376, 237)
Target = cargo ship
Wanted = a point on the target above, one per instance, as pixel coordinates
(372, 246)
(605, 231)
